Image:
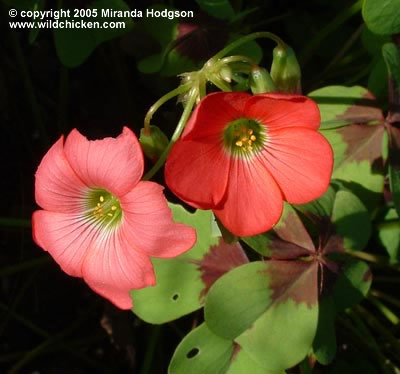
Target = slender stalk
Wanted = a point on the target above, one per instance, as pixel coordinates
(245, 39)
(392, 300)
(385, 311)
(380, 328)
(175, 136)
(151, 347)
(327, 30)
(177, 91)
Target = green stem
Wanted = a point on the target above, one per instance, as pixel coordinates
(356, 330)
(230, 59)
(370, 257)
(177, 133)
(328, 29)
(177, 91)
(151, 347)
(388, 298)
(386, 312)
(245, 39)
(382, 330)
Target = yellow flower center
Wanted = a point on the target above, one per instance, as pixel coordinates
(244, 136)
(103, 207)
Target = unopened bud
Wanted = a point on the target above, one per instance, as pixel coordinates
(285, 70)
(153, 143)
(260, 80)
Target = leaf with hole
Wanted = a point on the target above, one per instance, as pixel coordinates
(182, 282)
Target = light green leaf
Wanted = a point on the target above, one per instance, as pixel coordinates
(179, 283)
(201, 352)
(382, 16)
(259, 310)
(389, 235)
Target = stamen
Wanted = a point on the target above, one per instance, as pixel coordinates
(102, 199)
(239, 143)
(113, 207)
(250, 131)
(98, 205)
(253, 138)
(110, 214)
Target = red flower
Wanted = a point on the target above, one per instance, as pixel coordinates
(99, 221)
(242, 155)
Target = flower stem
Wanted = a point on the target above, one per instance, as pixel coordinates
(177, 133)
(177, 91)
(386, 312)
(247, 38)
(151, 347)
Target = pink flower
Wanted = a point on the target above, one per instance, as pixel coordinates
(99, 221)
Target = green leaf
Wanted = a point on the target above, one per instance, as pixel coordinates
(352, 285)
(265, 298)
(382, 16)
(373, 42)
(221, 9)
(358, 155)
(182, 282)
(378, 79)
(201, 352)
(394, 165)
(324, 345)
(292, 237)
(389, 235)
(351, 220)
(391, 55)
(341, 209)
(341, 106)
(242, 363)
(75, 45)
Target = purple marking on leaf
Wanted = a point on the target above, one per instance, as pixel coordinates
(292, 230)
(364, 142)
(363, 111)
(335, 244)
(218, 261)
(201, 37)
(235, 352)
(280, 249)
(293, 280)
(367, 276)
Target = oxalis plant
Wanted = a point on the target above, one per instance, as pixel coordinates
(284, 232)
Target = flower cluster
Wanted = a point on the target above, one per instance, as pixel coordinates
(240, 155)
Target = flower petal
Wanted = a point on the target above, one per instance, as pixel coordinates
(66, 237)
(253, 202)
(148, 224)
(112, 268)
(301, 161)
(57, 187)
(213, 113)
(115, 164)
(197, 172)
(277, 111)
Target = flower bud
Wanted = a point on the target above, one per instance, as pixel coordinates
(153, 143)
(285, 70)
(260, 80)
(226, 73)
